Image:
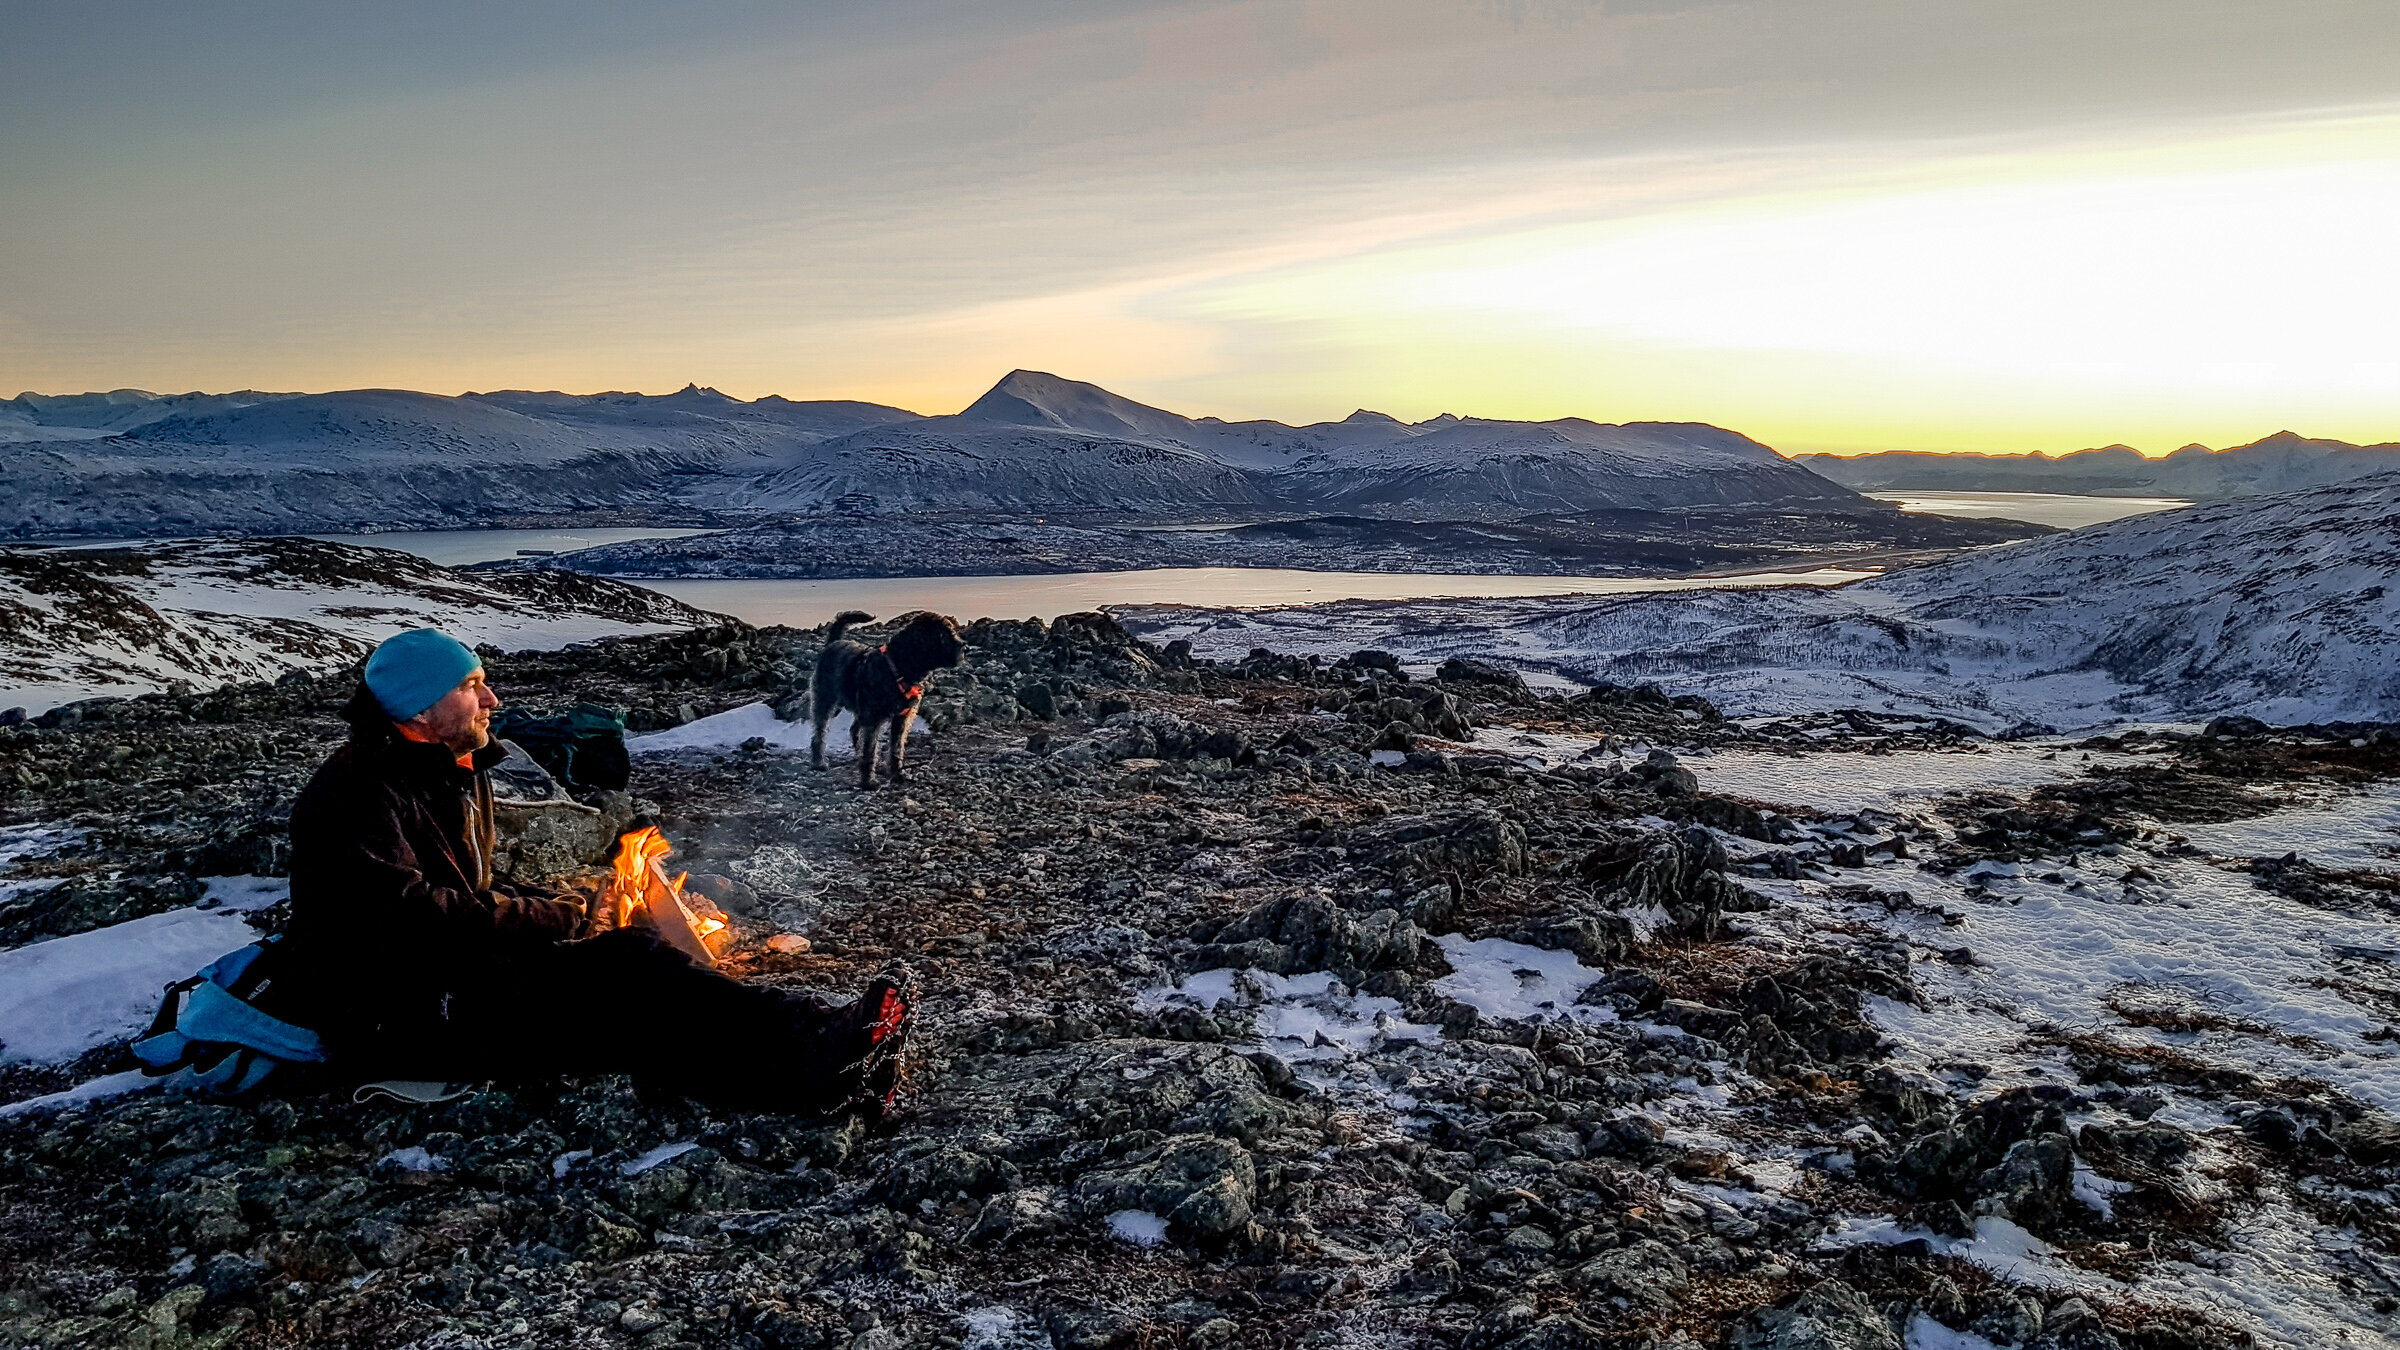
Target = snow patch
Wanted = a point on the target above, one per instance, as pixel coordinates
(63, 996)
(1926, 1334)
(1137, 1226)
(244, 895)
(414, 1158)
(90, 1090)
(664, 1153)
(1510, 981)
(19, 842)
(728, 730)
(999, 1328)
(1301, 1018)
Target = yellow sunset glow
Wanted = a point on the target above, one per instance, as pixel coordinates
(1861, 228)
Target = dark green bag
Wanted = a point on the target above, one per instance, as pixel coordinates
(582, 747)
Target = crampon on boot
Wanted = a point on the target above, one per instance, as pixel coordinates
(886, 1010)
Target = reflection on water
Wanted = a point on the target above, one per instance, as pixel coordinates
(457, 548)
(803, 604)
(2064, 510)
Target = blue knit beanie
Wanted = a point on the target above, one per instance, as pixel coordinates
(413, 669)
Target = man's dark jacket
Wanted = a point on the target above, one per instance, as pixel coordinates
(413, 964)
(394, 910)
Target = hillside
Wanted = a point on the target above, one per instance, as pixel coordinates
(2280, 463)
(1272, 1004)
(76, 623)
(2285, 608)
(955, 465)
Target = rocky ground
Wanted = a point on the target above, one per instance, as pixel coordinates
(1269, 1003)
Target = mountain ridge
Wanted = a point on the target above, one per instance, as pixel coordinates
(1035, 443)
(2281, 462)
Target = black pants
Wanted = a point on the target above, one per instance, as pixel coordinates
(626, 1002)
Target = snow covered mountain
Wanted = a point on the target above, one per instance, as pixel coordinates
(79, 622)
(955, 466)
(2279, 463)
(67, 417)
(1447, 467)
(394, 458)
(135, 463)
(2284, 607)
(1030, 398)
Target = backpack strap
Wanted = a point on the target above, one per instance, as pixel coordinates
(164, 1057)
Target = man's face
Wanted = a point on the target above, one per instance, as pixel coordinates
(461, 722)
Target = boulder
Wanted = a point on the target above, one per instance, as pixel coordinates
(1682, 873)
(547, 842)
(1471, 843)
(1090, 1329)
(1114, 1087)
(2373, 1139)
(1828, 1316)
(1039, 700)
(1462, 670)
(1016, 1216)
(1910, 1096)
(2032, 1184)
(943, 1172)
(1303, 933)
(1646, 1272)
(1205, 1187)
(1665, 775)
(1594, 938)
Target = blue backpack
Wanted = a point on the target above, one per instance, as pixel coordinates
(211, 1025)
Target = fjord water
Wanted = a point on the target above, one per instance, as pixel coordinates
(806, 603)
(2064, 510)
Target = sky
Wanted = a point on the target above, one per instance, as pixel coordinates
(1840, 225)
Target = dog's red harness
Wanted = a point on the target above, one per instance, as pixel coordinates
(907, 691)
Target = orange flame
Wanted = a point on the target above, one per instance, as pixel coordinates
(641, 886)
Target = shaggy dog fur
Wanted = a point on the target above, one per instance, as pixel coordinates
(879, 685)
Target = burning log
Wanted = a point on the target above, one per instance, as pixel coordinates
(641, 893)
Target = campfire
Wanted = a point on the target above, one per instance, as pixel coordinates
(641, 894)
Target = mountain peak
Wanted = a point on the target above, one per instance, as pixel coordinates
(1366, 415)
(1035, 398)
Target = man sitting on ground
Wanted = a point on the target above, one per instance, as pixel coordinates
(412, 963)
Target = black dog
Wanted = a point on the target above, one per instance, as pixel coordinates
(879, 685)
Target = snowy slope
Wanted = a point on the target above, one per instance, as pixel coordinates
(1032, 398)
(80, 622)
(1472, 467)
(954, 465)
(2284, 607)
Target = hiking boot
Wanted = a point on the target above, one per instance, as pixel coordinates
(884, 1011)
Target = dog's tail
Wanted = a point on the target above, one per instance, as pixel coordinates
(842, 621)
